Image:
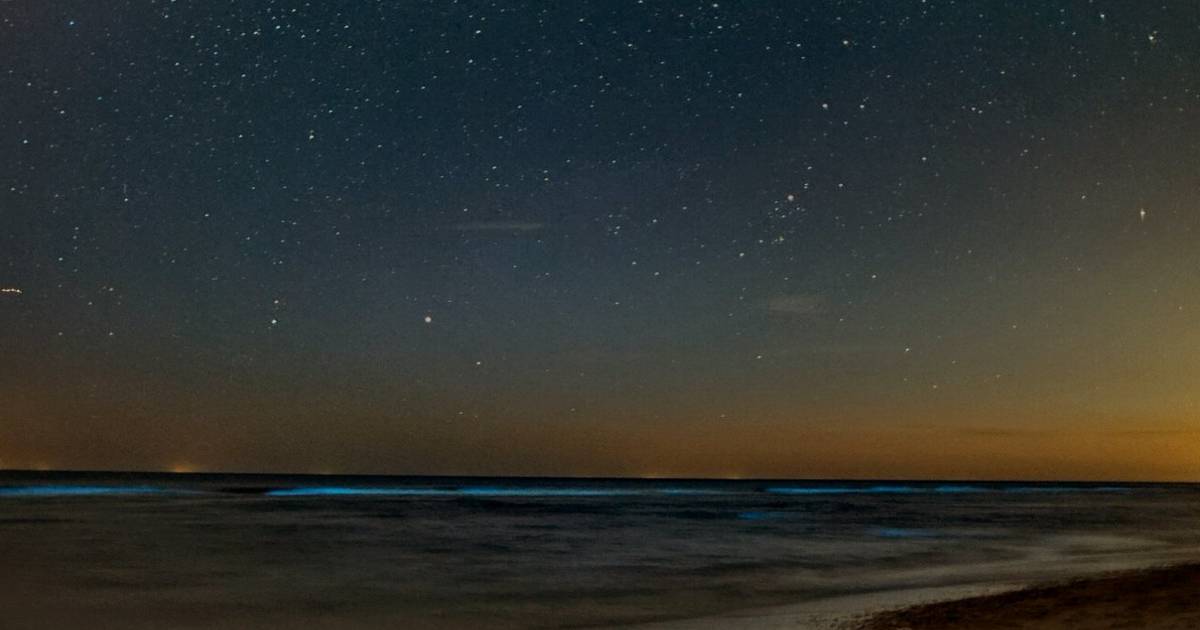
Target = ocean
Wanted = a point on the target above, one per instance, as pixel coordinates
(108, 550)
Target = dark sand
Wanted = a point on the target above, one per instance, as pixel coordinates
(1157, 598)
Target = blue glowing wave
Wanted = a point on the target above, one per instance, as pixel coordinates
(902, 532)
(960, 489)
(1066, 489)
(842, 490)
(944, 489)
(486, 491)
(561, 492)
(336, 491)
(689, 491)
(75, 491)
(483, 491)
(472, 491)
(762, 516)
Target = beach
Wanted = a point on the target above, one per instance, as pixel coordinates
(1162, 597)
(1158, 598)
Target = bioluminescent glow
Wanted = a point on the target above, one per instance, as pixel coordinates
(470, 491)
(337, 491)
(486, 491)
(944, 489)
(689, 491)
(951, 489)
(74, 491)
(843, 490)
(755, 515)
(901, 532)
(560, 492)
(1063, 489)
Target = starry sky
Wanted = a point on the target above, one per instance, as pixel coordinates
(922, 238)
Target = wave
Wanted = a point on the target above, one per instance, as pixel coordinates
(944, 489)
(535, 491)
(76, 491)
(471, 491)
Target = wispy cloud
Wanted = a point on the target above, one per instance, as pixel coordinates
(803, 304)
(1017, 432)
(499, 226)
(1154, 433)
(1000, 432)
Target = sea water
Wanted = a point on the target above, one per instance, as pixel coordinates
(93, 550)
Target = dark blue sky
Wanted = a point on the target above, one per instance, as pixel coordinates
(677, 238)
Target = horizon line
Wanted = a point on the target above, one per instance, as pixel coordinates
(134, 471)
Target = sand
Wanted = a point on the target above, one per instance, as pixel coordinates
(1159, 598)
(1156, 598)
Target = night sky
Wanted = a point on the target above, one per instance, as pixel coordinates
(787, 239)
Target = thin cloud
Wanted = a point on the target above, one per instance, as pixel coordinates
(1154, 433)
(997, 432)
(801, 304)
(499, 226)
(1007, 432)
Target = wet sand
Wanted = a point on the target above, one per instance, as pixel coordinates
(1165, 597)
(1158, 598)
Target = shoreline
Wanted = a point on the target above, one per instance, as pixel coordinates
(1154, 596)
(839, 612)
